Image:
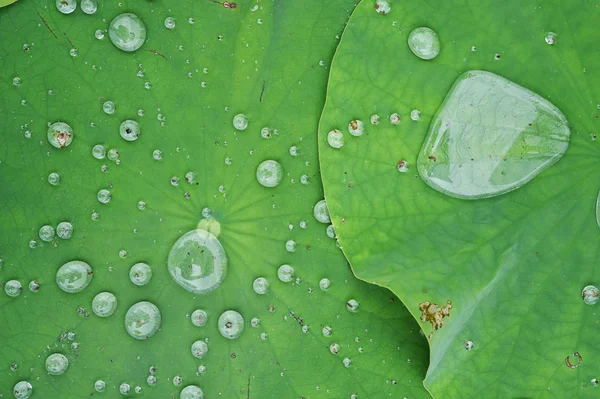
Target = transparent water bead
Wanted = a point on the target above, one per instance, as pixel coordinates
(590, 295)
(113, 154)
(57, 364)
(99, 151)
(260, 285)
(142, 320)
(108, 107)
(335, 138)
(230, 324)
(199, 317)
(54, 179)
(321, 213)
(352, 305)
(324, 283)
(199, 349)
(269, 173)
(99, 34)
(191, 392)
(356, 127)
(140, 274)
(550, 38)
(129, 130)
(170, 23)
(141, 205)
(415, 114)
(157, 155)
(151, 380)
(66, 6)
(382, 7)
(22, 390)
(74, 276)
(240, 122)
(124, 388)
(46, 233)
(104, 304)
(127, 32)
(64, 230)
(89, 6)
(104, 196)
(285, 273)
(490, 136)
(13, 288)
(197, 262)
(99, 385)
(34, 286)
(402, 166)
(290, 245)
(60, 134)
(424, 43)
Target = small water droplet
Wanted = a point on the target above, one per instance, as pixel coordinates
(60, 134)
(66, 6)
(170, 23)
(151, 380)
(129, 130)
(142, 320)
(13, 288)
(347, 362)
(550, 38)
(104, 304)
(290, 246)
(190, 177)
(140, 274)
(468, 345)
(327, 331)
(64, 230)
(34, 286)
(230, 324)
(100, 386)
(352, 305)
(590, 295)
(424, 43)
(321, 213)
(104, 196)
(74, 276)
(46, 233)
(199, 317)
(124, 388)
(23, 389)
(57, 364)
(285, 273)
(16, 81)
(199, 349)
(403, 166)
(99, 151)
(293, 151)
(335, 138)
(240, 122)
(574, 360)
(260, 285)
(108, 107)
(89, 6)
(415, 114)
(99, 34)
(54, 178)
(382, 7)
(157, 155)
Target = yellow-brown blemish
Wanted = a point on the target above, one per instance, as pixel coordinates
(431, 312)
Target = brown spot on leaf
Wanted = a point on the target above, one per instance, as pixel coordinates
(431, 312)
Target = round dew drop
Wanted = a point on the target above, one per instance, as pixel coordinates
(99, 34)
(190, 177)
(89, 6)
(46, 233)
(269, 173)
(64, 230)
(550, 38)
(157, 155)
(290, 246)
(330, 231)
(151, 380)
(240, 122)
(199, 349)
(394, 119)
(127, 32)
(141, 205)
(356, 128)
(191, 392)
(415, 114)
(13, 288)
(321, 213)
(54, 179)
(347, 362)
(334, 348)
(108, 107)
(113, 154)
(60, 134)
(260, 286)
(99, 151)
(124, 388)
(382, 7)
(104, 304)
(468, 345)
(590, 295)
(327, 331)
(100, 386)
(424, 43)
(34, 286)
(142, 320)
(140, 274)
(104, 196)
(285, 273)
(57, 364)
(170, 23)
(66, 6)
(352, 306)
(199, 317)
(324, 283)
(129, 130)
(230, 324)
(374, 119)
(335, 138)
(22, 390)
(74, 276)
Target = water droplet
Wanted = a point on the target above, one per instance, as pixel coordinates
(98, 151)
(13, 288)
(594, 382)
(170, 23)
(321, 213)
(151, 380)
(382, 7)
(473, 150)
(99, 386)
(415, 114)
(16, 81)
(95, 215)
(73, 53)
(191, 392)
(60, 134)
(550, 38)
(108, 107)
(74, 276)
(265, 133)
(64, 230)
(327, 331)
(157, 155)
(260, 286)
(142, 320)
(104, 196)
(403, 166)
(240, 122)
(347, 362)
(304, 179)
(335, 138)
(147, 85)
(255, 322)
(122, 254)
(269, 173)
(590, 295)
(190, 177)
(468, 345)
(34, 286)
(57, 364)
(264, 336)
(89, 6)
(124, 388)
(197, 262)
(199, 349)
(23, 389)
(206, 212)
(394, 119)
(141, 205)
(285, 273)
(99, 34)
(32, 244)
(231, 324)
(324, 283)
(294, 151)
(54, 179)
(356, 127)
(374, 119)
(352, 306)
(330, 231)
(574, 360)
(113, 154)
(127, 32)
(140, 274)
(199, 317)
(66, 6)
(129, 130)
(334, 348)
(46, 233)
(290, 246)
(104, 304)
(424, 43)
(174, 181)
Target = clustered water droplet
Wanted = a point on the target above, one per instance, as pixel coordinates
(230, 324)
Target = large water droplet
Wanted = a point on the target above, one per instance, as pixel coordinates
(285, 273)
(129, 130)
(74, 276)
(89, 6)
(66, 6)
(57, 364)
(127, 32)
(269, 173)
(260, 286)
(240, 122)
(140, 274)
(142, 320)
(424, 43)
(191, 392)
(60, 134)
(13, 288)
(197, 262)
(100, 386)
(590, 295)
(321, 213)
(231, 324)
(23, 389)
(104, 304)
(490, 136)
